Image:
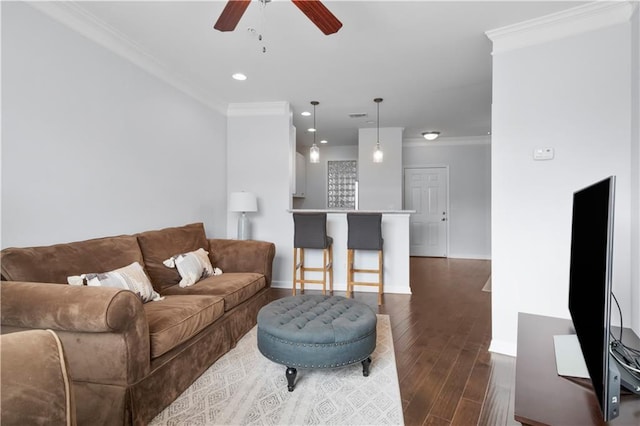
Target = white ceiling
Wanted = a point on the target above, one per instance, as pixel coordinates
(430, 61)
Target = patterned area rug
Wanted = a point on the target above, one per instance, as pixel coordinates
(245, 388)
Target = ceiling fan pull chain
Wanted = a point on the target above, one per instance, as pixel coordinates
(263, 14)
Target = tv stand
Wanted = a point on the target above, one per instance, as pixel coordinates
(544, 398)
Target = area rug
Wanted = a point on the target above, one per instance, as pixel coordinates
(487, 285)
(245, 388)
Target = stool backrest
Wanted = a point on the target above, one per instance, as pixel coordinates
(364, 231)
(310, 230)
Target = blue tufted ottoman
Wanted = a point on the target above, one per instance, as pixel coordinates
(314, 331)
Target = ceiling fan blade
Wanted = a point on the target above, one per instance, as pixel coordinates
(319, 15)
(231, 15)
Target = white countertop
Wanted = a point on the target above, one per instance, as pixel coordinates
(344, 211)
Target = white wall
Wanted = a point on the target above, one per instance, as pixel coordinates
(316, 195)
(469, 161)
(380, 184)
(572, 93)
(93, 146)
(259, 158)
(635, 169)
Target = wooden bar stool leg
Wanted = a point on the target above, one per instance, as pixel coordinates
(324, 272)
(380, 275)
(349, 271)
(331, 269)
(295, 269)
(302, 277)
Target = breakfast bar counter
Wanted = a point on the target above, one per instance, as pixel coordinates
(395, 232)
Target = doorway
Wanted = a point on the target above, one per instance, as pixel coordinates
(426, 190)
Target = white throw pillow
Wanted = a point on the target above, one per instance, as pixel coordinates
(131, 277)
(192, 266)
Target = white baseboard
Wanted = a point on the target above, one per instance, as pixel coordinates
(503, 347)
(469, 256)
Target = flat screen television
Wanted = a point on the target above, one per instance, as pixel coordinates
(590, 291)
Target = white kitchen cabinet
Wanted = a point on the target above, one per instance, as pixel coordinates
(301, 176)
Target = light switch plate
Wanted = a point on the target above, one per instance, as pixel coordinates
(545, 153)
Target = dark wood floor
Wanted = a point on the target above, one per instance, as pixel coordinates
(441, 334)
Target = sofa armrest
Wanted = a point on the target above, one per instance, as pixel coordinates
(243, 256)
(35, 386)
(66, 307)
(104, 330)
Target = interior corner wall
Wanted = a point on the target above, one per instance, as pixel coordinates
(93, 146)
(469, 162)
(573, 95)
(259, 158)
(635, 170)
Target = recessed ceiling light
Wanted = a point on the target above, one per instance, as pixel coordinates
(311, 129)
(305, 113)
(239, 76)
(323, 141)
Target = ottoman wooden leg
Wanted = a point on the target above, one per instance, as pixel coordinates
(291, 378)
(365, 367)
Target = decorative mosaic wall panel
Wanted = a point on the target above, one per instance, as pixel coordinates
(341, 184)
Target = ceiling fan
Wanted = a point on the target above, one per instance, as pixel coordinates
(314, 9)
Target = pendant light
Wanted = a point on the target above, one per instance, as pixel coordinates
(377, 154)
(314, 152)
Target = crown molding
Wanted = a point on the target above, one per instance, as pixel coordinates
(447, 141)
(258, 108)
(577, 20)
(78, 19)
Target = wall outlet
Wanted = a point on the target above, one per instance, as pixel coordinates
(545, 153)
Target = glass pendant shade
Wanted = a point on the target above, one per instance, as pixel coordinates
(377, 154)
(314, 154)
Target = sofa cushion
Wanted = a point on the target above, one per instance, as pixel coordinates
(158, 246)
(233, 287)
(176, 319)
(53, 264)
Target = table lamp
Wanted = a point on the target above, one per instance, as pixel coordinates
(243, 202)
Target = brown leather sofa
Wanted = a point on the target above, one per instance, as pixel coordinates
(128, 360)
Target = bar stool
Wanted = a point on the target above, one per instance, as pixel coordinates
(310, 232)
(364, 233)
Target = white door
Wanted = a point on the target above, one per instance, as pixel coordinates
(426, 192)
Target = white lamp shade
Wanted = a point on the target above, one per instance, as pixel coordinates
(243, 202)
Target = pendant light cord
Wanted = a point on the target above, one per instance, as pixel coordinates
(378, 140)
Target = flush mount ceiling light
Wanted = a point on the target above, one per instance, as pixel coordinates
(239, 76)
(323, 141)
(314, 152)
(430, 136)
(305, 113)
(377, 153)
